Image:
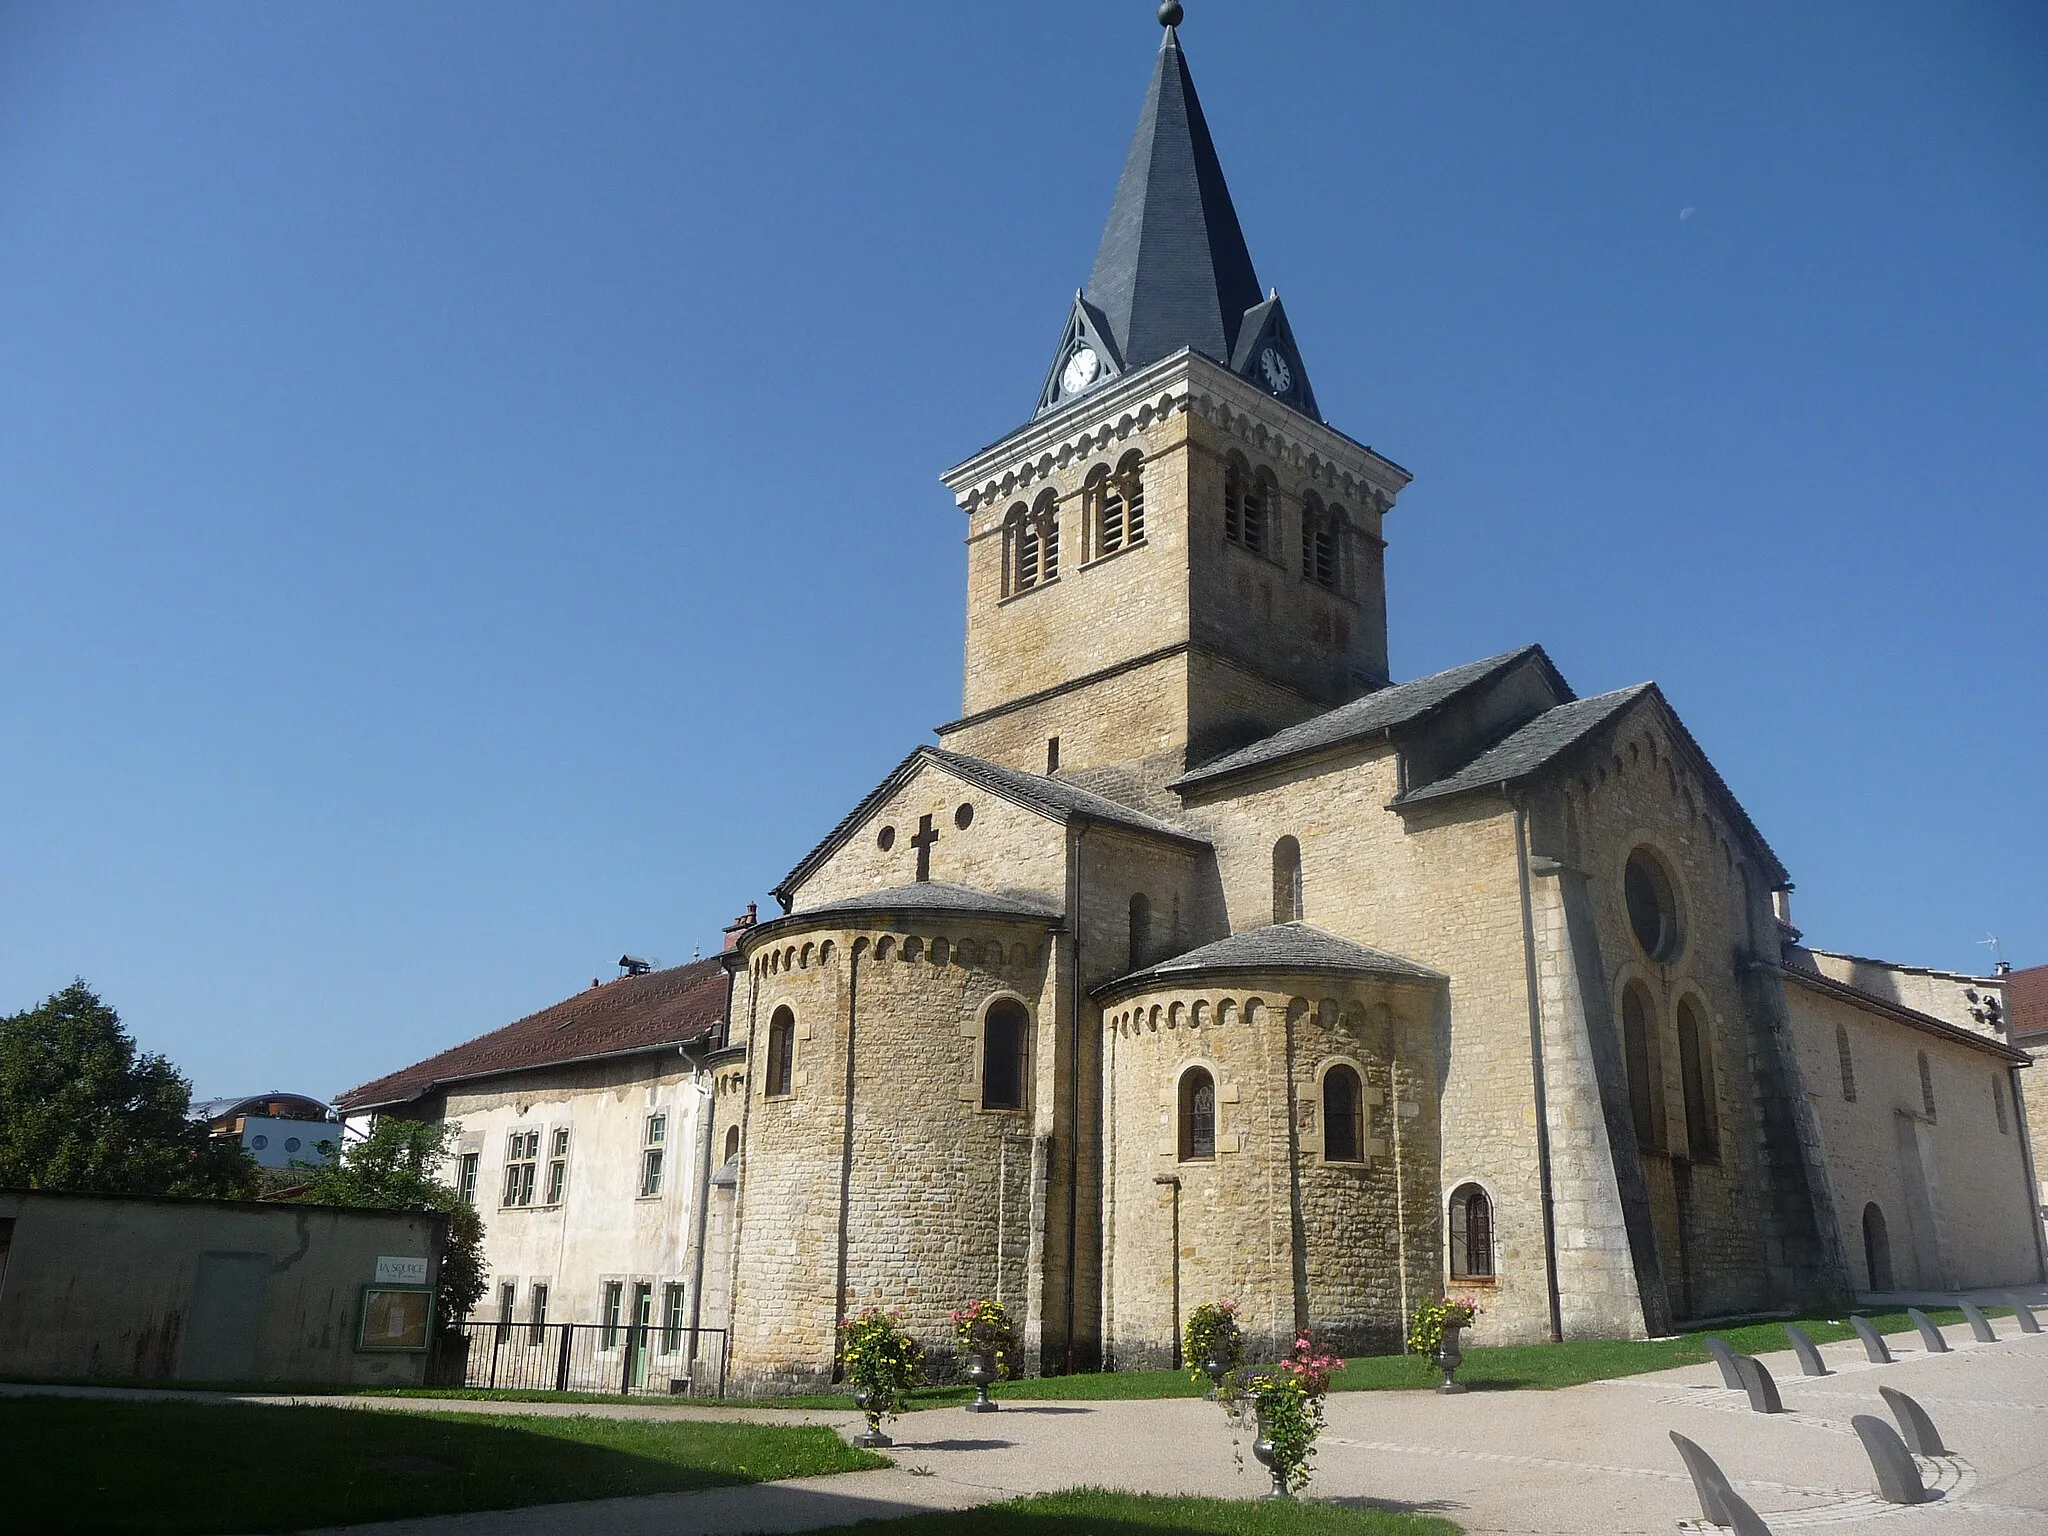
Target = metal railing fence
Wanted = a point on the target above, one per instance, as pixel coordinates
(634, 1358)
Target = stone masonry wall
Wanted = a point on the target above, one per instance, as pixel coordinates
(1295, 1240)
(1135, 721)
(1003, 848)
(1440, 889)
(1636, 790)
(1101, 609)
(938, 1205)
(1260, 608)
(1970, 1166)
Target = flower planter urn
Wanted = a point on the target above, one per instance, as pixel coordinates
(874, 1438)
(1216, 1370)
(980, 1374)
(1262, 1448)
(1449, 1357)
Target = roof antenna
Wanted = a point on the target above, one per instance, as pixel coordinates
(1997, 953)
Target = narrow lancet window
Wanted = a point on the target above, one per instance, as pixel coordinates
(1197, 1116)
(1471, 1227)
(1003, 1044)
(1343, 1116)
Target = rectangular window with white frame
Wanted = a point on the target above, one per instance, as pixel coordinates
(522, 1154)
(465, 1178)
(614, 1302)
(653, 1150)
(671, 1318)
(558, 1164)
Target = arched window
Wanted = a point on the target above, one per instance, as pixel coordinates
(1998, 1100)
(1877, 1249)
(1237, 479)
(1141, 930)
(1343, 1116)
(1130, 482)
(1258, 507)
(1471, 1234)
(1105, 506)
(1287, 903)
(1926, 1087)
(1696, 1071)
(1321, 544)
(1652, 904)
(1847, 1062)
(732, 1142)
(1045, 526)
(1004, 1040)
(1639, 1053)
(1031, 545)
(1197, 1116)
(1246, 496)
(781, 1053)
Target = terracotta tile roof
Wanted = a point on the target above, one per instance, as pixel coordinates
(634, 1013)
(2026, 1001)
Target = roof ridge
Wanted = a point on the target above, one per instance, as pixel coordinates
(1354, 720)
(631, 1013)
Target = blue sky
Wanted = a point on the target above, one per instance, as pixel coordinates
(467, 472)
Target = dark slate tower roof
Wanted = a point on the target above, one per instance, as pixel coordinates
(1173, 269)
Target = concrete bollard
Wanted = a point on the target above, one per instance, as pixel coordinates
(1810, 1362)
(1929, 1334)
(1874, 1345)
(2024, 1315)
(1725, 1358)
(1898, 1475)
(1720, 1504)
(1915, 1427)
(1756, 1381)
(1980, 1325)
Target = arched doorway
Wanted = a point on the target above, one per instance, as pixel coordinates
(1877, 1248)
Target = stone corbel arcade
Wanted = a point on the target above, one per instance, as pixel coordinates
(1342, 1245)
(901, 1147)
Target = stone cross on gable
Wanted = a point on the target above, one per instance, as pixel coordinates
(927, 834)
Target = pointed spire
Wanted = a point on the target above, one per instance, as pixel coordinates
(1172, 270)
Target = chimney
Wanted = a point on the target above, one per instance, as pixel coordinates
(738, 926)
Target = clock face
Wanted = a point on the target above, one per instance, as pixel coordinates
(1278, 375)
(1082, 368)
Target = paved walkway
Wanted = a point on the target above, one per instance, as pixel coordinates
(1595, 1459)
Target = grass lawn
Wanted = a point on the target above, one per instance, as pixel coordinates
(1539, 1367)
(69, 1464)
(1091, 1512)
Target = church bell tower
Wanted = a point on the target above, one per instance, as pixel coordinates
(1175, 555)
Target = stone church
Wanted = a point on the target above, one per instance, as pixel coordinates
(1200, 959)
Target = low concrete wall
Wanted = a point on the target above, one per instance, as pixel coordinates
(200, 1290)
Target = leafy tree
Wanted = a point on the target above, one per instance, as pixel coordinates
(397, 1167)
(82, 1109)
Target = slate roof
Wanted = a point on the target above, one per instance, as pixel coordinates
(1534, 746)
(1050, 797)
(661, 1009)
(1281, 947)
(1173, 269)
(933, 896)
(1387, 710)
(2026, 1002)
